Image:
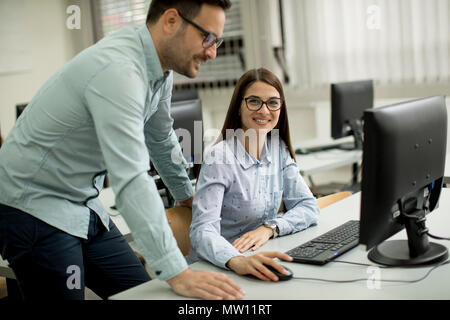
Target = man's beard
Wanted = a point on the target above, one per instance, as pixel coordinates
(175, 57)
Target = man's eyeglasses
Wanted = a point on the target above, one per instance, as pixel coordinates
(255, 103)
(210, 38)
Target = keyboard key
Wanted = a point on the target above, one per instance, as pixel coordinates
(329, 245)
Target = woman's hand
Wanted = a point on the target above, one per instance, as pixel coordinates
(256, 265)
(253, 239)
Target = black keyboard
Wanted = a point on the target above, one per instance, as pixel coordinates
(329, 245)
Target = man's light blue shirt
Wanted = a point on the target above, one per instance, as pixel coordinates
(106, 110)
(236, 193)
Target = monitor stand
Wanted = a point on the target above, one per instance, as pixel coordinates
(355, 128)
(417, 250)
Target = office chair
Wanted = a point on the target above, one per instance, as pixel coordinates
(3, 289)
(325, 201)
(180, 219)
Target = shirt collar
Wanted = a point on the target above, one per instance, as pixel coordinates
(244, 158)
(154, 69)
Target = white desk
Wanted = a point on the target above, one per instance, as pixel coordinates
(316, 162)
(107, 198)
(447, 170)
(435, 286)
(326, 160)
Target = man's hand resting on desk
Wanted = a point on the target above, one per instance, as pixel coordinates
(205, 285)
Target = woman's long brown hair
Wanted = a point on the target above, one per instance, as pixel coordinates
(233, 120)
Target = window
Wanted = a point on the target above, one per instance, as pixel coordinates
(390, 41)
(224, 71)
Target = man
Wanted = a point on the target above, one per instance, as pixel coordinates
(107, 110)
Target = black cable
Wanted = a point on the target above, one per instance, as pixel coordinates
(381, 280)
(436, 237)
(359, 264)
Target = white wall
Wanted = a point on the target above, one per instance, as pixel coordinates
(51, 45)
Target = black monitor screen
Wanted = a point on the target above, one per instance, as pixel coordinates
(184, 94)
(20, 108)
(348, 102)
(188, 126)
(402, 174)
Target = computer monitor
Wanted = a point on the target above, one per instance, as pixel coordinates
(402, 174)
(184, 94)
(20, 108)
(348, 102)
(188, 125)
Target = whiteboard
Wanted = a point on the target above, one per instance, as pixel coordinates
(15, 52)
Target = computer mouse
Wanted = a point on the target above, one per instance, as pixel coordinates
(281, 276)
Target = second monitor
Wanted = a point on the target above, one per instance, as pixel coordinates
(348, 102)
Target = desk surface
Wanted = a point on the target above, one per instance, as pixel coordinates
(107, 198)
(435, 286)
(447, 169)
(326, 160)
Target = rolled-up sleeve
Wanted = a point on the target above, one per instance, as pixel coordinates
(205, 233)
(115, 98)
(165, 150)
(301, 206)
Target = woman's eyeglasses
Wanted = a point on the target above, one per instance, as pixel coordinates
(255, 103)
(210, 38)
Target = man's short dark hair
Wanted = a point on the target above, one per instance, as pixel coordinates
(188, 8)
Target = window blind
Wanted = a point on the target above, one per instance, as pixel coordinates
(229, 65)
(390, 41)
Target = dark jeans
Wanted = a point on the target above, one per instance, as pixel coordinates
(51, 264)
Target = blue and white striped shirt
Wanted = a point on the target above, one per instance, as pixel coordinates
(236, 193)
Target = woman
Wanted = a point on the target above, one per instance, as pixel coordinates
(243, 180)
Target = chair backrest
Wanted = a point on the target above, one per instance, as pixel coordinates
(325, 201)
(180, 219)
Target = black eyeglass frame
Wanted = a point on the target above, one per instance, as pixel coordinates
(206, 43)
(263, 102)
